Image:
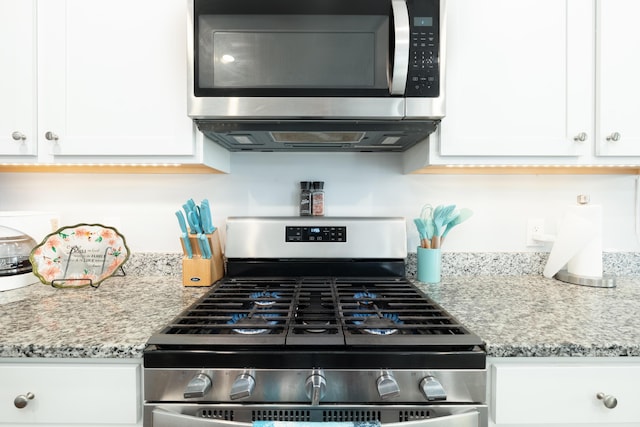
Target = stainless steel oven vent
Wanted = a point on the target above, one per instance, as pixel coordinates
(281, 415)
(350, 416)
(217, 414)
(414, 415)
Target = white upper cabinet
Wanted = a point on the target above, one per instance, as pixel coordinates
(519, 78)
(94, 82)
(112, 77)
(17, 86)
(618, 78)
(538, 82)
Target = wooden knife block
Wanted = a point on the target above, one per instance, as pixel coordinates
(199, 271)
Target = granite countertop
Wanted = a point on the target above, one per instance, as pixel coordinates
(515, 315)
(531, 316)
(112, 321)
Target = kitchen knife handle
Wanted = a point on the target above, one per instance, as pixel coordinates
(187, 245)
(181, 221)
(194, 222)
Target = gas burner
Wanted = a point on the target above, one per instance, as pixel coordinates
(264, 298)
(382, 324)
(316, 328)
(365, 298)
(257, 322)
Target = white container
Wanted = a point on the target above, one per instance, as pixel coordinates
(32, 223)
(36, 225)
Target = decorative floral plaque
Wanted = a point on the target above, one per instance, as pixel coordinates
(79, 255)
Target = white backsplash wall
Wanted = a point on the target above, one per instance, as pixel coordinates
(142, 206)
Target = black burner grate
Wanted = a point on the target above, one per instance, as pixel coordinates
(315, 310)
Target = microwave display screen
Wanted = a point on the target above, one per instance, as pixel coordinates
(423, 21)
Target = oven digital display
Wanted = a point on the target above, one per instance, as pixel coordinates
(316, 234)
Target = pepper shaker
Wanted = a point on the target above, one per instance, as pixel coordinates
(305, 198)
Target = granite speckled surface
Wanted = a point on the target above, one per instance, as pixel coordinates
(531, 316)
(112, 321)
(515, 310)
(453, 263)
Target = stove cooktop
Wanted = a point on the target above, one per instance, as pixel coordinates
(310, 312)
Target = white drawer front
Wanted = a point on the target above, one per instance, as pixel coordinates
(70, 393)
(554, 393)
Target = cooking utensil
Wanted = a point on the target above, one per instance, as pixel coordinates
(441, 215)
(462, 216)
(427, 218)
(185, 235)
(422, 231)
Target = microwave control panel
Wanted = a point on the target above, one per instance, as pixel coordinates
(423, 78)
(316, 234)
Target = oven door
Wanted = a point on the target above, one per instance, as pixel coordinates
(204, 415)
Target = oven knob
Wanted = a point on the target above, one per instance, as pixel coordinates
(316, 386)
(242, 387)
(432, 389)
(198, 386)
(387, 386)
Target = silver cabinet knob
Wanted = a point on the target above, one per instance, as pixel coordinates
(242, 387)
(316, 386)
(581, 137)
(614, 137)
(22, 400)
(18, 136)
(387, 386)
(432, 389)
(608, 400)
(198, 386)
(50, 136)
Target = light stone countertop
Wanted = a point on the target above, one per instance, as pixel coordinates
(515, 315)
(523, 316)
(112, 321)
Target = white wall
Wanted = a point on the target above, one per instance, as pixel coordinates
(142, 206)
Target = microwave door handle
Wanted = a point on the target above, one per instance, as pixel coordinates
(401, 48)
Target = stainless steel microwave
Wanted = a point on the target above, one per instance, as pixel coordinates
(360, 75)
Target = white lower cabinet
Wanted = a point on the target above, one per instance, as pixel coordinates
(78, 393)
(599, 392)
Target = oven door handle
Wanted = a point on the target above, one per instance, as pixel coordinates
(401, 48)
(464, 419)
(163, 418)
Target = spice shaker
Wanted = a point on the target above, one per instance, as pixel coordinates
(305, 198)
(317, 198)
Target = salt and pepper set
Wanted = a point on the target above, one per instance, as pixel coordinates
(311, 198)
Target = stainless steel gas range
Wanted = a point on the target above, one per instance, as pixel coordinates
(315, 321)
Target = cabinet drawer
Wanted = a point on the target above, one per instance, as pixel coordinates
(70, 393)
(564, 393)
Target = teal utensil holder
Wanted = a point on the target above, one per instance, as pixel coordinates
(429, 265)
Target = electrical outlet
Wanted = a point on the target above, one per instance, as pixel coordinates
(534, 226)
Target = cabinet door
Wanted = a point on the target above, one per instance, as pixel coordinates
(618, 78)
(538, 394)
(519, 78)
(17, 85)
(70, 394)
(112, 77)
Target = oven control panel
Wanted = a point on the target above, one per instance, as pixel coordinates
(315, 234)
